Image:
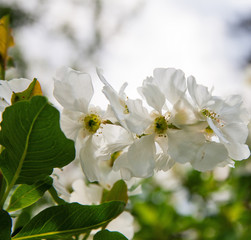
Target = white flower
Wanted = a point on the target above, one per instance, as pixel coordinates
(63, 179)
(98, 154)
(140, 159)
(74, 90)
(227, 118)
(219, 135)
(96, 137)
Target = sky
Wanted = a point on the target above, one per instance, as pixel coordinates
(194, 36)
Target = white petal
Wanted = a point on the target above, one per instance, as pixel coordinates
(109, 114)
(153, 96)
(183, 145)
(117, 100)
(171, 82)
(164, 162)
(140, 158)
(88, 160)
(84, 194)
(3, 104)
(235, 132)
(122, 90)
(238, 151)
(243, 114)
(118, 105)
(70, 124)
(121, 164)
(199, 93)
(138, 118)
(101, 77)
(216, 130)
(124, 224)
(210, 155)
(115, 138)
(183, 113)
(233, 110)
(73, 89)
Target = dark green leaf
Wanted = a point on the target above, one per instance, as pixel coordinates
(34, 143)
(69, 219)
(107, 235)
(25, 195)
(21, 220)
(117, 193)
(5, 225)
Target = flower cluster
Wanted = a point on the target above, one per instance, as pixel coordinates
(176, 121)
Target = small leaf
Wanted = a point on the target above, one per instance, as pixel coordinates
(70, 219)
(5, 225)
(33, 90)
(25, 195)
(117, 193)
(34, 143)
(107, 235)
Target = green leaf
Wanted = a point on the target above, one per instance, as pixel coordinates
(5, 225)
(117, 193)
(34, 143)
(21, 220)
(25, 195)
(70, 219)
(107, 235)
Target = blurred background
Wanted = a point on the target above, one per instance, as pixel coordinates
(128, 39)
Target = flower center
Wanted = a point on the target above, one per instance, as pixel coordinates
(92, 123)
(214, 116)
(160, 125)
(209, 114)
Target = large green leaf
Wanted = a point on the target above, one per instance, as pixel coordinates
(69, 219)
(34, 143)
(5, 225)
(107, 235)
(25, 195)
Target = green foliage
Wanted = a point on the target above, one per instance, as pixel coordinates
(22, 219)
(107, 235)
(117, 193)
(70, 219)
(34, 143)
(207, 217)
(5, 225)
(25, 195)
